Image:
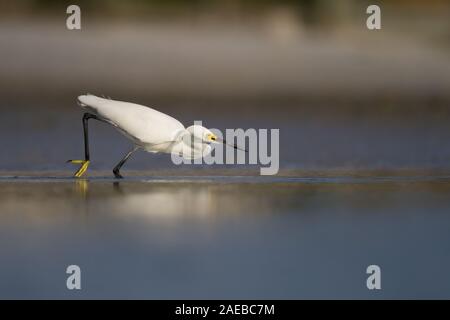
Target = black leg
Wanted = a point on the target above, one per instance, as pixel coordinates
(85, 163)
(86, 117)
(116, 169)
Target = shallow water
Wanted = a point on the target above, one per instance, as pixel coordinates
(43, 138)
(225, 237)
(351, 192)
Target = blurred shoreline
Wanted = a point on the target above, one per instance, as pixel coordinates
(278, 61)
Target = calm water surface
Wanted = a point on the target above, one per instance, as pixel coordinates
(225, 237)
(210, 233)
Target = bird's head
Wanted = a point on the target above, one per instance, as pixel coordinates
(201, 134)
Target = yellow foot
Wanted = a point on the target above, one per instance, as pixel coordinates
(83, 168)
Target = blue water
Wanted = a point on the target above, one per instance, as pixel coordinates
(225, 237)
(44, 138)
(352, 191)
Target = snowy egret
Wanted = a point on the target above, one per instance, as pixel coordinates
(147, 128)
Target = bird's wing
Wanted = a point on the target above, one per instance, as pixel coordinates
(139, 122)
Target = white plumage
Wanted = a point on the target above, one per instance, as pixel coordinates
(147, 128)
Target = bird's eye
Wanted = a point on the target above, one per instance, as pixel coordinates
(213, 138)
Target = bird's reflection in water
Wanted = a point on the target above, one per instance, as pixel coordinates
(82, 187)
(171, 200)
(82, 190)
(166, 201)
(117, 188)
(144, 199)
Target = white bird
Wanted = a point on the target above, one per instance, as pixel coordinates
(147, 128)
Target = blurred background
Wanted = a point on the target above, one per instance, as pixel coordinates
(344, 97)
(349, 102)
